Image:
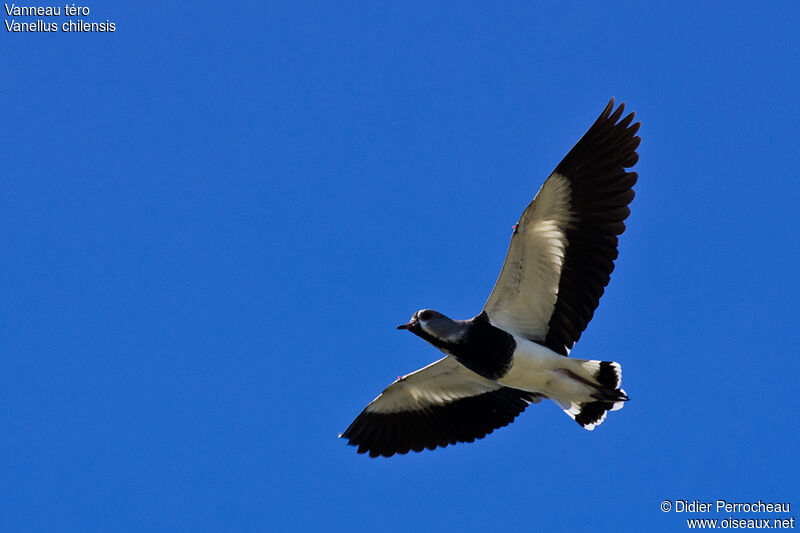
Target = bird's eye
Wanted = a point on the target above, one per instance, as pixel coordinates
(425, 315)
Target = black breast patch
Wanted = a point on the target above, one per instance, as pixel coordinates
(485, 349)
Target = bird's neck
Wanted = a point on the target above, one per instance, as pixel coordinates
(483, 348)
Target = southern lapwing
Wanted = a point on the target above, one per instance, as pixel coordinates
(514, 352)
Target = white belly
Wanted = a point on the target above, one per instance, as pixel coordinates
(536, 368)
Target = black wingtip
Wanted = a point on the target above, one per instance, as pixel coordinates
(609, 107)
(437, 426)
(615, 116)
(601, 190)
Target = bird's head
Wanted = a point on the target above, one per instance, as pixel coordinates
(434, 326)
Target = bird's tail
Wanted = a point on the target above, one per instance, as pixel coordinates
(602, 379)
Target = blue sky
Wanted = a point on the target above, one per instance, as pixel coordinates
(213, 219)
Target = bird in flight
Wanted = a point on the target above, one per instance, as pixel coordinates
(515, 351)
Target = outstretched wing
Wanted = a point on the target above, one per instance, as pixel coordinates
(563, 248)
(440, 404)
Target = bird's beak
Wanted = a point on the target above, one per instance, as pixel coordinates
(405, 326)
